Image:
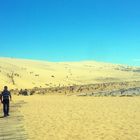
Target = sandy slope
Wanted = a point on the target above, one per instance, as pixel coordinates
(59, 117)
(20, 73)
(81, 118)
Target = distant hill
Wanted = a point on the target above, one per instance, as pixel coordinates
(20, 73)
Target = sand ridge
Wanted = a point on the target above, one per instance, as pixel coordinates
(22, 73)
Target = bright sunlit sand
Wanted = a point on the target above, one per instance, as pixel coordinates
(64, 115)
(22, 73)
(53, 117)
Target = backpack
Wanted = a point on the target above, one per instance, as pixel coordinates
(5, 95)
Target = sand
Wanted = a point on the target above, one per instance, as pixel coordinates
(21, 73)
(59, 117)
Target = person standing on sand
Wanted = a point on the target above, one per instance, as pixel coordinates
(5, 98)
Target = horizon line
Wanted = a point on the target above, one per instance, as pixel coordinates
(45, 60)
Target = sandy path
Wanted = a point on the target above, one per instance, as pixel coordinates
(82, 118)
(12, 128)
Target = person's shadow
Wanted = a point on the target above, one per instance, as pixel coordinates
(1, 117)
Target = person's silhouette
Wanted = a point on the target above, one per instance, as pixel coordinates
(5, 99)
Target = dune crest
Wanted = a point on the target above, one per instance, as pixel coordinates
(21, 73)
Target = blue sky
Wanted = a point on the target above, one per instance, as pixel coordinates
(71, 30)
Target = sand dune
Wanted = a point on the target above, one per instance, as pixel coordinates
(20, 73)
(59, 117)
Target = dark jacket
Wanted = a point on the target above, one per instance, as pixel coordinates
(5, 95)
